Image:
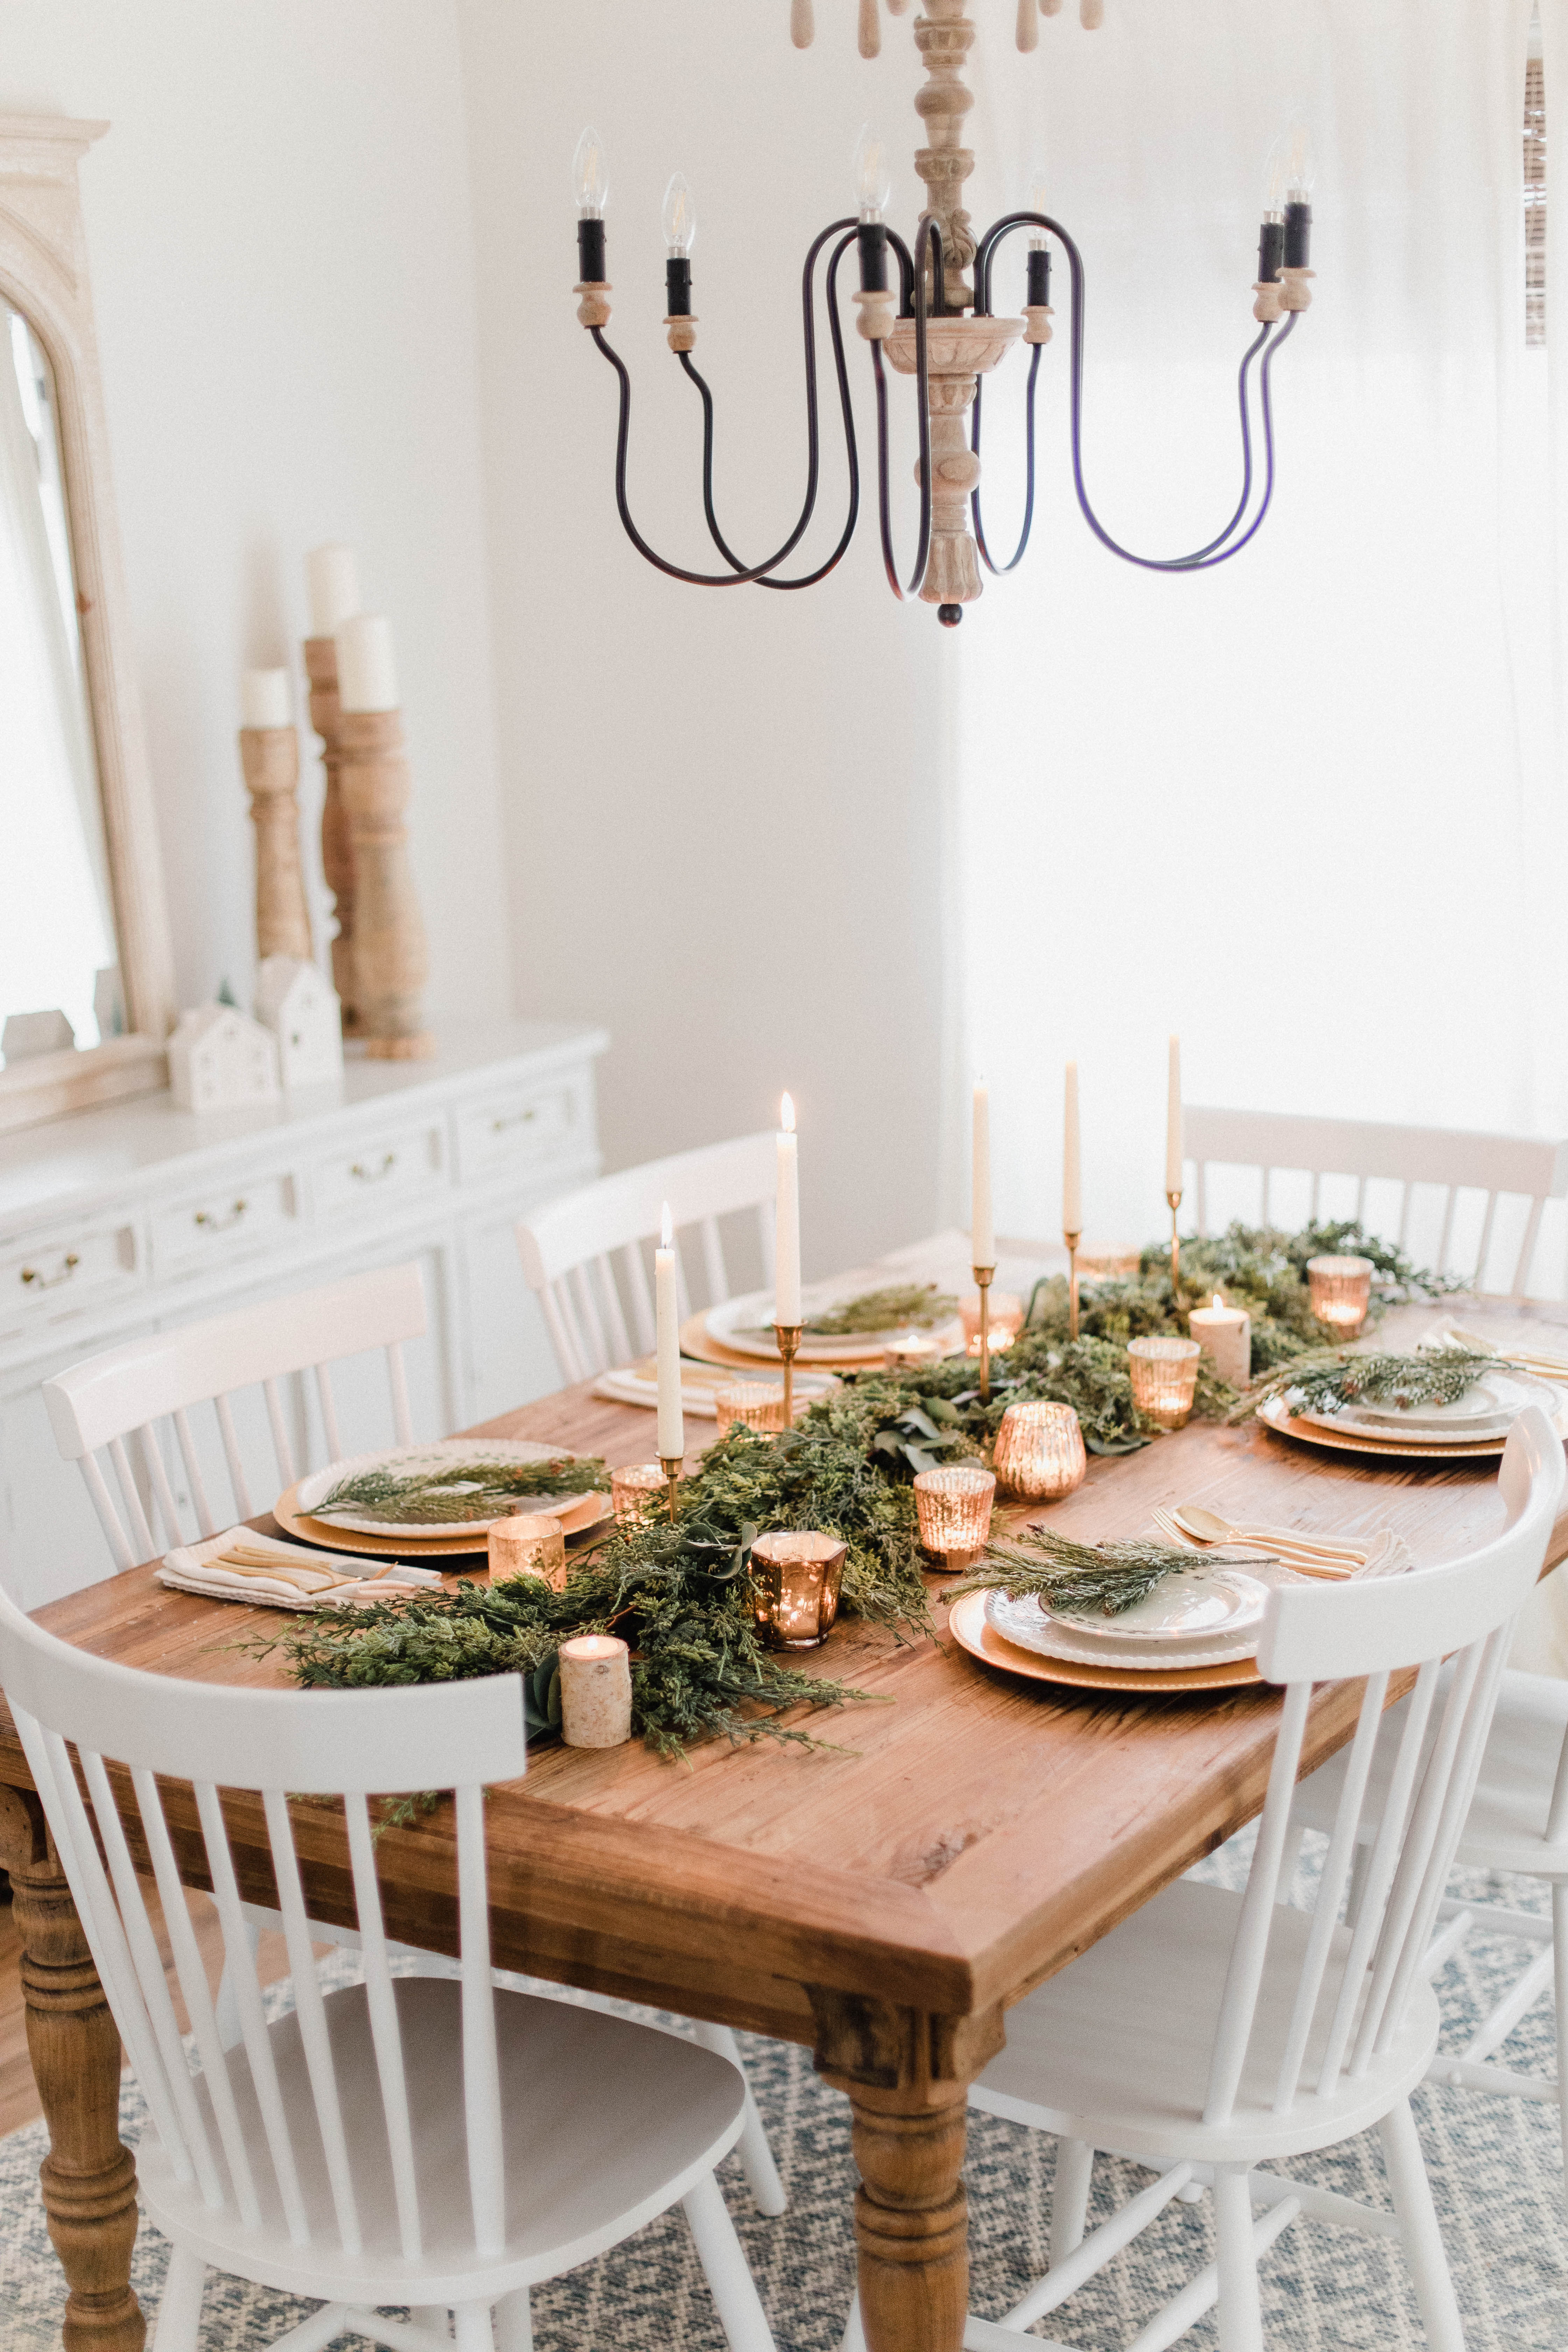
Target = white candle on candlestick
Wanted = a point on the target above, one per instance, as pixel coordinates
(672, 1427)
(1072, 1173)
(786, 1231)
(331, 577)
(367, 674)
(265, 700)
(1174, 1154)
(982, 1231)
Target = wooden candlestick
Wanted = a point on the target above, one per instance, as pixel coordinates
(270, 758)
(337, 842)
(391, 958)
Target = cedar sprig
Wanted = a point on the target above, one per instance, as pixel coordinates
(1100, 1580)
(1338, 1376)
(465, 1490)
(918, 1306)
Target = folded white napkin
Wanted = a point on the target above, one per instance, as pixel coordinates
(265, 1572)
(638, 1384)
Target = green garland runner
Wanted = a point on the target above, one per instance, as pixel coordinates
(680, 1593)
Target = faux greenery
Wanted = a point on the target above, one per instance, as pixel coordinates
(466, 1490)
(1337, 1376)
(1092, 1580)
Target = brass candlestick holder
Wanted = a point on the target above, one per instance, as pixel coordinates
(1175, 1201)
(788, 1337)
(1072, 1241)
(983, 1275)
(672, 1465)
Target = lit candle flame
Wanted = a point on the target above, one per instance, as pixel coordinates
(1217, 1299)
(786, 1114)
(666, 1228)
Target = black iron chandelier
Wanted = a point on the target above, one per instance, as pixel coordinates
(928, 312)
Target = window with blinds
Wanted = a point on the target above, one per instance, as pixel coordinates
(1534, 203)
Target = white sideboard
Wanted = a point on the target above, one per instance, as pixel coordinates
(137, 1216)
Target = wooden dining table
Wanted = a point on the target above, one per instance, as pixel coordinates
(883, 1898)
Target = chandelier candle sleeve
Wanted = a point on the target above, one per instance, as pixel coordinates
(983, 1231)
(671, 1426)
(595, 1691)
(331, 581)
(1224, 1335)
(786, 1226)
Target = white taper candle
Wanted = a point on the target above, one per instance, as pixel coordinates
(331, 577)
(1072, 1172)
(265, 700)
(983, 1233)
(367, 673)
(667, 1304)
(1173, 1152)
(786, 1226)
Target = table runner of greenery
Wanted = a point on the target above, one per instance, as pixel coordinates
(679, 1593)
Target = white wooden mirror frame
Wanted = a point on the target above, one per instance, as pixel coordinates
(43, 274)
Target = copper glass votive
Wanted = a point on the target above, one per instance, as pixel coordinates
(636, 1489)
(1005, 1323)
(1165, 1376)
(1039, 1452)
(1341, 1292)
(795, 1587)
(755, 1404)
(953, 1508)
(528, 1543)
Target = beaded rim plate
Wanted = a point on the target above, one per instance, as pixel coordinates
(444, 1454)
(1276, 1416)
(576, 1517)
(970, 1627)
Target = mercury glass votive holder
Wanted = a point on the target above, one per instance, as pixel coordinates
(635, 1489)
(527, 1543)
(755, 1404)
(795, 1587)
(954, 1509)
(1164, 1378)
(1039, 1452)
(1006, 1319)
(1341, 1292)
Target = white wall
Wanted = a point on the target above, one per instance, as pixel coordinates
(279, 229)
(723, 807)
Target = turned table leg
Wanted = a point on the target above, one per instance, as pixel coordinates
(89, 2177)
(907, 2075)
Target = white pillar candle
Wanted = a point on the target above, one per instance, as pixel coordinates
(265, 700)
(367, 674)
(1072, 1172)
(982, 1231)
(672, 1427)
(595, 1691)
(1224, 1335)
(331, 577)
(1174, 1155)
(786, 1227)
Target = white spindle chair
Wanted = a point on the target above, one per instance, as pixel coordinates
(1212, 2033)
(570, 1250)
(416, 2141)
(134, 1404)
(1449, 1159)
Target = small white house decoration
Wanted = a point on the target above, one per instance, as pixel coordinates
(301, 1009)
(219, 1060)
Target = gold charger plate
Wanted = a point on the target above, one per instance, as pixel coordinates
(588, 1512)
(1274, 1415)
(970, 1627)
(696, 1342)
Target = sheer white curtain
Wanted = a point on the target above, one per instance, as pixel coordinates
(1308, 809)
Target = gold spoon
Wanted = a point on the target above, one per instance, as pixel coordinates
(1207, 1527)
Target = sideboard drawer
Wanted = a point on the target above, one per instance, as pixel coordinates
(69, 1269)
(232, 1218)
(397, 1166)
(520, 1131)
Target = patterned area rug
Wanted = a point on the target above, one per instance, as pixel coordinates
(1496, 2167)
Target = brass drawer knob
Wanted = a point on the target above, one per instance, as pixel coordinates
(215, 1223)
(68, 1266)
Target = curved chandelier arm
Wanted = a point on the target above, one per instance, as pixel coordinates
(623, 439)
(1017, 555)
(913, 276)
(1216, 551)
(809, 579)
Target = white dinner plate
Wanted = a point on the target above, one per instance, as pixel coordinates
(1030, 1626)
(1492, 1405)
(406, 1460)
(1210, 1601)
